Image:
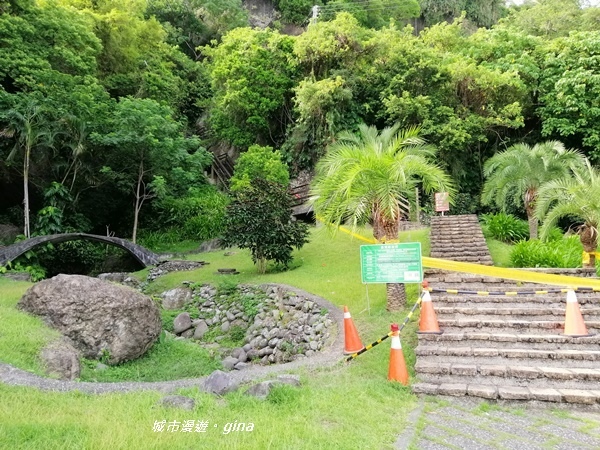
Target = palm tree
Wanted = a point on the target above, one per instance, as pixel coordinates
(578, 197)
(516, 175)
(30, 132)
(362, 178)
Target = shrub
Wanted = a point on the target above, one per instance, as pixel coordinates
(559, 253)
(505, 227)
(259, 163)
(464, 204)
(198, 216)
(259, 218)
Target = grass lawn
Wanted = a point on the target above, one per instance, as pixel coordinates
(349, 405)
(500, 252)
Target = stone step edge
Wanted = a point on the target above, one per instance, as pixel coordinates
(507, 337)
(505, 371)
(479, 323)
(492, 392)
(558, 310)
(524, 353)
(532, 299)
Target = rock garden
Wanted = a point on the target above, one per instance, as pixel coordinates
(265, 325)
(111, 330)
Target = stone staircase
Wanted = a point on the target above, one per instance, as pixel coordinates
(459, 238)
(508, 347)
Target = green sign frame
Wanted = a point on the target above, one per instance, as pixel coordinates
(391, 263)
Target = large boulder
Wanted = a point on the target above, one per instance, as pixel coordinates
(102, 319)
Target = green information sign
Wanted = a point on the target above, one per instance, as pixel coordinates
(391, 263)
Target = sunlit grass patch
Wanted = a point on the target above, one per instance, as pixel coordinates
(22, 336)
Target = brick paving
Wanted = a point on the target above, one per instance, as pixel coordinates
(462, 423)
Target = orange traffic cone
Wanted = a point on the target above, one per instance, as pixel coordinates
(428, 322)
(574, 324)
(397, 370)
(352, 342)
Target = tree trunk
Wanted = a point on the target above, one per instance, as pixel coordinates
(396, 297)
(261, 265)
(588, 236)
(138, 200)
(532, 221)
(385, 229)
(26, 191)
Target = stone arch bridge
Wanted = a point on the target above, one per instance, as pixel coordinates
(144, 256)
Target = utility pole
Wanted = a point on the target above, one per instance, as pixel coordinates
(315, 14)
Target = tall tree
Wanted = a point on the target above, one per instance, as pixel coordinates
(30, 131)
(193, 23)
(252, 75)
(363, 177)
(548, 18)
(577, 197)
(375, 13)
(569, 90)
(516, 175)
(146, 147)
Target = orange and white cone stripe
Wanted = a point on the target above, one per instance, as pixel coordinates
(397, 370)
(574, 324)
(428, 322)
(352, 342)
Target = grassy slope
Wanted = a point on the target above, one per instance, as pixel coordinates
(21, 336)
(347, 406)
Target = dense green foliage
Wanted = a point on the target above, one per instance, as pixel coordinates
(557, 253)
(363, 176)
(516, 175)
(128, 95)
(196, 216)
(252, 76)
(505, 227)
(259, 163)
(576, 197)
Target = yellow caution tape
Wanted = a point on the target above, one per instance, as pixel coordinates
(357, 236)
(499, 272)
(510, 293)
(511, 274)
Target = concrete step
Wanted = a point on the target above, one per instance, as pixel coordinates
(508, 326)
(552, 313)
(457, 254)
(509, 375)
(534, 341)
(444, 300)
(467, 230)
(466, 246)
(510, 393)
(508, 356)
(441, 275)
(461, 258)
(465, 235)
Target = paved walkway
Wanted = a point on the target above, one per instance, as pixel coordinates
(442, 424)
